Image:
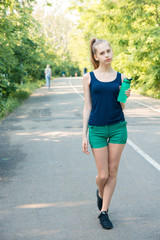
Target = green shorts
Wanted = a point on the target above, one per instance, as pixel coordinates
(100, 136)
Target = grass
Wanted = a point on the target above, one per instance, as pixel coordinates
(22, 93)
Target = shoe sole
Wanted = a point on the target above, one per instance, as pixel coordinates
(106, 228)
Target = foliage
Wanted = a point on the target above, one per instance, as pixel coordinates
(17, 97)
(132, 28)
(26, 49)
(56, 29)
(6, 89)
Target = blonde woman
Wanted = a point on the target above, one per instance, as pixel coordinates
(103, 116)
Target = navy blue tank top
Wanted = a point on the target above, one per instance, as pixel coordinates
(106, 110)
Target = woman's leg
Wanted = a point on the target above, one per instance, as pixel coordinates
(114, 155)
(49, 82)
(101, 159)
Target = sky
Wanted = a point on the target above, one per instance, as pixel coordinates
(59, 6)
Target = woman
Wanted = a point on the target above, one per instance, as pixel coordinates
(104, 117)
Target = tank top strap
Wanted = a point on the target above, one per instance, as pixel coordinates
(92, 77)
(119, 78)
(91, 74)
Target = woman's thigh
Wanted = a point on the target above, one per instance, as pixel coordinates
(101, 159)
(114, 155)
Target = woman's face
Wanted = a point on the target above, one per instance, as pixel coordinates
(104, 53)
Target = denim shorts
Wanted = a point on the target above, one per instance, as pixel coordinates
(100, 136)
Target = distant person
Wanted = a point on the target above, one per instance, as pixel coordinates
(75, 74)
(84, 70)
(48, 75)
(104, 117)
(63, 73)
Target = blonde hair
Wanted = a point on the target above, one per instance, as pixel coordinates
(95, 42)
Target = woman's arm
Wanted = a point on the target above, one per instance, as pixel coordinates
(86, 110)
(127, 92)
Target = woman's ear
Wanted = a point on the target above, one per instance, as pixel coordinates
(95, 57)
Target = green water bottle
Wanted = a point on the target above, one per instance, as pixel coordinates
(122, 97)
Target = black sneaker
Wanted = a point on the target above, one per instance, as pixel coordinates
(104, 220)
(99, 201)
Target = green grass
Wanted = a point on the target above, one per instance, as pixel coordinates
(22, 93)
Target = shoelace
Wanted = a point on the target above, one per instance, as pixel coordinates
(104, 216)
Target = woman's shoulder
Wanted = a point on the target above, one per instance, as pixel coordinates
(87, 78)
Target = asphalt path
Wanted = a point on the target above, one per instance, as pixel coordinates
(48, 188)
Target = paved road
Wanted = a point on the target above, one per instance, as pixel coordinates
(48, 184)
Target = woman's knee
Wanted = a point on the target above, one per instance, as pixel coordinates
(113, 171)
(103, 178)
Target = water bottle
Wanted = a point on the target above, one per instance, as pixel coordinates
(122, 97)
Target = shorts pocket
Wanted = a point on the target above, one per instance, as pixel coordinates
(124, 123)
(91, 128)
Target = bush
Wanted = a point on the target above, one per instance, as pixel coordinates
(8, 104)
(6, 88)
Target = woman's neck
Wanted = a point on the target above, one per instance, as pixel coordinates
(105, 68)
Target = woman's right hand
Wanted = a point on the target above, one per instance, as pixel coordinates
(85, 145)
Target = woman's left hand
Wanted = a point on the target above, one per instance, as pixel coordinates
(128, 92)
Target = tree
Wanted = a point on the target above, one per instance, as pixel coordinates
(133, 29)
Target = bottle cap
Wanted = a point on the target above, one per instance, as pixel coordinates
(128, 80)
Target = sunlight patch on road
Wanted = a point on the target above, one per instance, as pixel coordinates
(57, 204)
(22, 117)
(37, 232)
(54, 134)
(45, 139)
